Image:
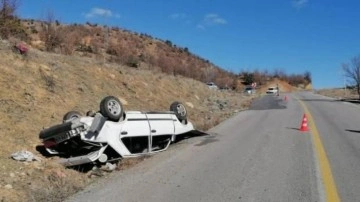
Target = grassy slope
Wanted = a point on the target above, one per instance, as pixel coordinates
(36, 91)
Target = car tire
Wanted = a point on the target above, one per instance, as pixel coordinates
(111, 108)
(90, 113)
(180, 111)
(71, 115)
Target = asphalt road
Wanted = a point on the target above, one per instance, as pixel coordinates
(257, 155)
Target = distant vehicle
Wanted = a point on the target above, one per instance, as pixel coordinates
(212, 85)
(249, 90)
(272, 90)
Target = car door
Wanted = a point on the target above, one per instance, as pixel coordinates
(135, 133)
(161, 130)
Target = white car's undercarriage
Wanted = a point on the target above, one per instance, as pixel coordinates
(112, 134)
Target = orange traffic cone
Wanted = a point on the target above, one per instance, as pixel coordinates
(304, 124)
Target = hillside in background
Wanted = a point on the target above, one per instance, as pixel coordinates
(116, 45)
(137, 50)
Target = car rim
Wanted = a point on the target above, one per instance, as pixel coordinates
(114, 107)
(73, 117)
(181, 110)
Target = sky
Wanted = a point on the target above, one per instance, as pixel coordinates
(294, 36)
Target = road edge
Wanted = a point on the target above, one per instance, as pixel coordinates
(328, 182)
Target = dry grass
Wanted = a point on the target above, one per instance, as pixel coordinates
(130, 162)
(339, 93)
(37, 91)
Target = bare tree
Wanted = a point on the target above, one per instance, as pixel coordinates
(279, 73)
(8, 20)
(352, 72)
(8, 8)
(210, 73)
(50, 34)
(307, 76)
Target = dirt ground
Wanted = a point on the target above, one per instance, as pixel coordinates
(37, 90)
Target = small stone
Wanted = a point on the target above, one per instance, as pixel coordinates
(8, 186)
(189, 104)
(12, 175)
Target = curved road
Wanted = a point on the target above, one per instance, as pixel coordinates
(257, 155)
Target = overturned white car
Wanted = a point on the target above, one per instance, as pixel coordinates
(112, 134)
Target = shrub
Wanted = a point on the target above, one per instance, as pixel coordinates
(133, 62)
(49, 81)
(169, 43)
(34, 31)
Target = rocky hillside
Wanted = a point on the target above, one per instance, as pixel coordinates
(136, 50)
(36, 90)
(116, 45)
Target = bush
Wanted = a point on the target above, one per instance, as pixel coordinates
(85, 48)
(34, 31)
(133, 62)
(169, 43)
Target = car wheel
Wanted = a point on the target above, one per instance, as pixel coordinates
(71, 115)
(179, 110)
(111, 108)
(91, 113)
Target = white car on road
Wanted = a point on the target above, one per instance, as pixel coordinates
(272, 90)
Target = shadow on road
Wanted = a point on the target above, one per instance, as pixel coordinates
(194, 133)
(208, 139)
(291, 128)
(319, 100)
(353, 131)
(268, 102)
(355, 101)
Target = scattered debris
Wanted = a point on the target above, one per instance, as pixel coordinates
(22, 48)
(95, 172)
(109, 167)
(24, 156)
